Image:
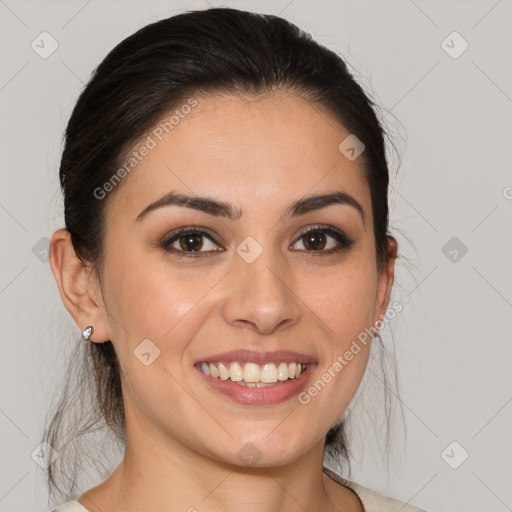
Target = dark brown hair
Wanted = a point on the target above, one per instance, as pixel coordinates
(147, 75)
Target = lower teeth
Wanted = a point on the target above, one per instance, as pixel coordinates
(255, 384)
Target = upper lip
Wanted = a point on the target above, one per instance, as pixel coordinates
(253, 356)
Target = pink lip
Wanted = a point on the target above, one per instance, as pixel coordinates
(253, 356)
(270, 395)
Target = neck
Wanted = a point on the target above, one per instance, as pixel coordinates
(157, 473)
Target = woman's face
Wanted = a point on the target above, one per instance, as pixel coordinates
(254, 283)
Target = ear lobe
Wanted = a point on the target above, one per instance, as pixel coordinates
(78, 286)
(386, 279)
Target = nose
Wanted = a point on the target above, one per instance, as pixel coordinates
(260, 296)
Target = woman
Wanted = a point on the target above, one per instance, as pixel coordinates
(226, 254)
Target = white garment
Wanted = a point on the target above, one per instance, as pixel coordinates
(372, 501)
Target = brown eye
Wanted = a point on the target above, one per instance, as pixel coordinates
(324, 240)
(314, 241)
(191, 242)
(188, 241)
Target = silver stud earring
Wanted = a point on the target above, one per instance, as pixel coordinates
(86, 334)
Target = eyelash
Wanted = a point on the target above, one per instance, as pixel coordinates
(344, 242)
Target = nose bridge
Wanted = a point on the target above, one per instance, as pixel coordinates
(260, 294)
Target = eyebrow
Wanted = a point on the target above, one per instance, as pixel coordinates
(221, 209)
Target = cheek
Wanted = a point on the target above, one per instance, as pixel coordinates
(154, 302)
(345, 301)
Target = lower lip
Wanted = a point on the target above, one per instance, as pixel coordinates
(268, 395)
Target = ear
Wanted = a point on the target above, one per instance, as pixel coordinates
(78, 286)
(385, 279)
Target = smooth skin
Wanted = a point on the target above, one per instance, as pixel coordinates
(259, 155)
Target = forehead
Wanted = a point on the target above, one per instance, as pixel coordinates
(245, 150)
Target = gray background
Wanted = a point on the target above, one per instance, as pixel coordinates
(452, 338)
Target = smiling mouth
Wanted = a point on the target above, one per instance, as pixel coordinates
(261, 383)
(253, 375)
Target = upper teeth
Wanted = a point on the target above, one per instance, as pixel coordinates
(251, 372)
